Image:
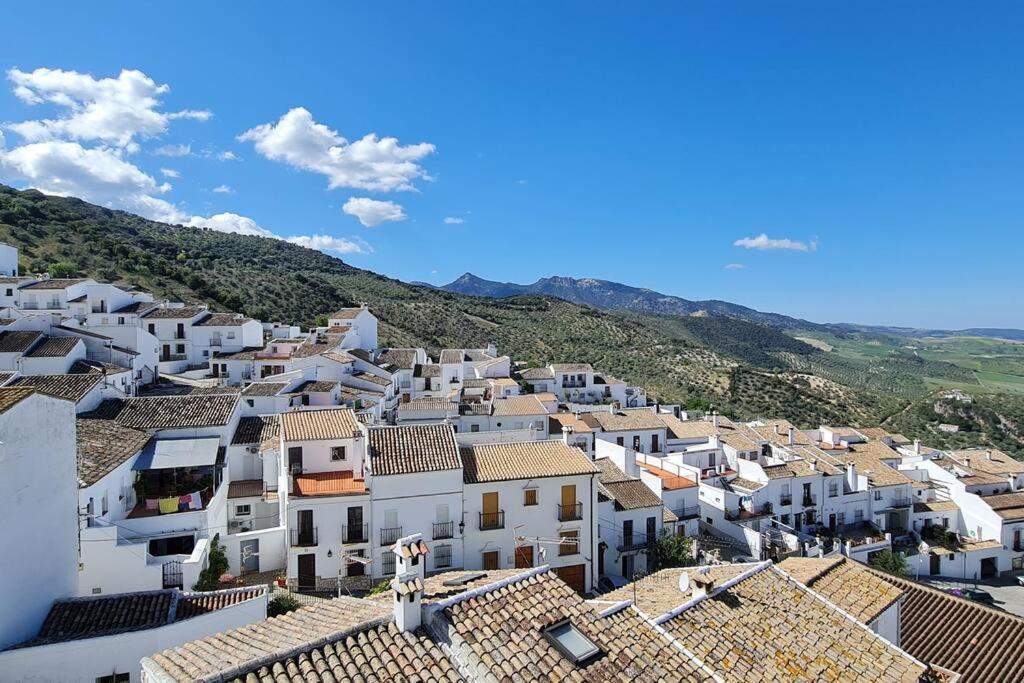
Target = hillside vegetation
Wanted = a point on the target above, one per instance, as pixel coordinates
(743, 368)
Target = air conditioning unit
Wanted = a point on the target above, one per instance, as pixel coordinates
(253, 449)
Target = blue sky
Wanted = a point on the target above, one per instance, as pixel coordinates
(876, 146)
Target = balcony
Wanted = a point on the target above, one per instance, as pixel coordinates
(492, 520)
(390, 534)
(629, 542)
(305, 538)
(574, 385)
(444, 530)
(570, 513)
(902, 502)
(786, 500)
(756, 511)
(810, 501)
(354, 533)
(442, 557)
(689, 512)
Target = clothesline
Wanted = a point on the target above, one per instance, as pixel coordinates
(188, 501)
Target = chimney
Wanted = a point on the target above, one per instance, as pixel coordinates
(813, 464)
(988, 454)
(567, 431)
(714, 418)
(791, 439)
(1012, 481)
(410, 569)
(967, 463)
(701, 585)
(917, 446)
(775, 426)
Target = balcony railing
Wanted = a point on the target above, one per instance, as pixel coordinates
(442, 557)
(748, 513)
(569, 513)
(902, 502)
(388, 563)
(810, 501)
(304, 538)
(632, 542)
(444, 530)
(390, 534)
(492, 520)
(354, 533)
(688, 512)
(786, 500)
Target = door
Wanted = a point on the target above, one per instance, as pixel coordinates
(295, 459)
(934, 567)
(627, 535)
(307, 572)
(600, 558)
(489, 506)
(250, 553)
(492, 560)
(652, 530)
(354, 528)
(654, 443)
(574, 575)
(568, 503)
(305, 527)
(524, 557)
(832, 522)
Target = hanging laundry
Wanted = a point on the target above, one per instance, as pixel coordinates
(168, 505)
(152, 503)
(196, 501)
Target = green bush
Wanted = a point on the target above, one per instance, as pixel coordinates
(282, 604)
(890, 563)
(672, 550)
(209, 578)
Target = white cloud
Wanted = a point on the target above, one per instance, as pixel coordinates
(113, 111)
(223, 189)
(172, 151)
(227, 156)
(170, 173)
(370, 163)
(372, 212)
(328, 243)
(764, 242)
(452, 220)
(734, 266)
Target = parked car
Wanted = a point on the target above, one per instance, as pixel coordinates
(975, 594)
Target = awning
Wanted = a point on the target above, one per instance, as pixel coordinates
(170, 453)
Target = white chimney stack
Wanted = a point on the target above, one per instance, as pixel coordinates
(775, 426)
(700, 585)
(410, 570)
(917, 446)
(813, 464)
(790, 437)
(567, 431)
(714, 418)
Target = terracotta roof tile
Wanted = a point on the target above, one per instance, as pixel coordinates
(69, 387)
(339, 483)
(846, 583)
(11, 396)
(169, 412)
(54, 347)
(412, 449)
(256, 429)
(525, 460)
(103, 445)
(319, 425)
(517, 405)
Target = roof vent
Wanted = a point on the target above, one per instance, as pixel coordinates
(463, 580)
(565, 637)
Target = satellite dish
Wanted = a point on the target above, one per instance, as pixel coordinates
(542, 552)
(684, 582)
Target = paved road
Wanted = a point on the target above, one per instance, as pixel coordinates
(1008, 594)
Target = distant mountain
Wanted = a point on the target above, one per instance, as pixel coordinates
(1009, 333)
(617, 296)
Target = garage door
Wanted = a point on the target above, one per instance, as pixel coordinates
(574, 575)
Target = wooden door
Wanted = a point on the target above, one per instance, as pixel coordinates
(489, 507)
(934, 566)
(307, 571)
(492, 560)
(524, 557)
(569, 497)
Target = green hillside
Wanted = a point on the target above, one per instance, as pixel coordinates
(743, 368)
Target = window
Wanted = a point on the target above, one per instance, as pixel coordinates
(251, 402)
(784, 519)
(571, 643)
(120, 320)
(858, 515)
(530, 497)
(179, 348)
(833, 489)
(474, 428)
(491, 559)
(570, 543)
(243, 510)
(152, 329)
(442, 556)
(206, 353)
(620, 442)
(295, 459)
(231, 335)
(115, 678)
(841, 518)
(10, 292)
(878, 494)
(337, 453)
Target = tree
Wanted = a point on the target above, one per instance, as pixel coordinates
(282, 604)
(890, 563)
(672, 550)
(63, 269)
(209, 578)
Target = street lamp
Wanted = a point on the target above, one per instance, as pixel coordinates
(462, 527)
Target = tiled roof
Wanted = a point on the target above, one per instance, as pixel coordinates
(668, 517)
(632, 494)
(264, 388)
(402, 359)
(768, 627)
(256, 429)
(670, 481)
(659, 593)
(322, 386)
(625, 420)
(558, 420)
(376, 379)
(978, 642)
(935, 506)
(135, 307)
(517, 405)
(379, 653)
(102, 446)
(245, 488)
(346, 313)
(536, 374)
(69, 387)
(777, 432)
(444, 405)
(5, 377)
(450, 357)
(336, 483)
(222, 320)
(737, 441)
(17, 341)
(411, 449)
(84, 366)
(1006, 505)
(338, 357)
(426, 370)
(54, 347)
(501, 632)
(868, 459)
(95, 616)
(179, 313)
(319, 425)
(169, 412)
(246, 649)
(746, 484)
(54, 283)
(527, 460)
(987, 460)
(690, 429)
(572, 367)
(447, 584)
(847, 583)
(11, 396)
